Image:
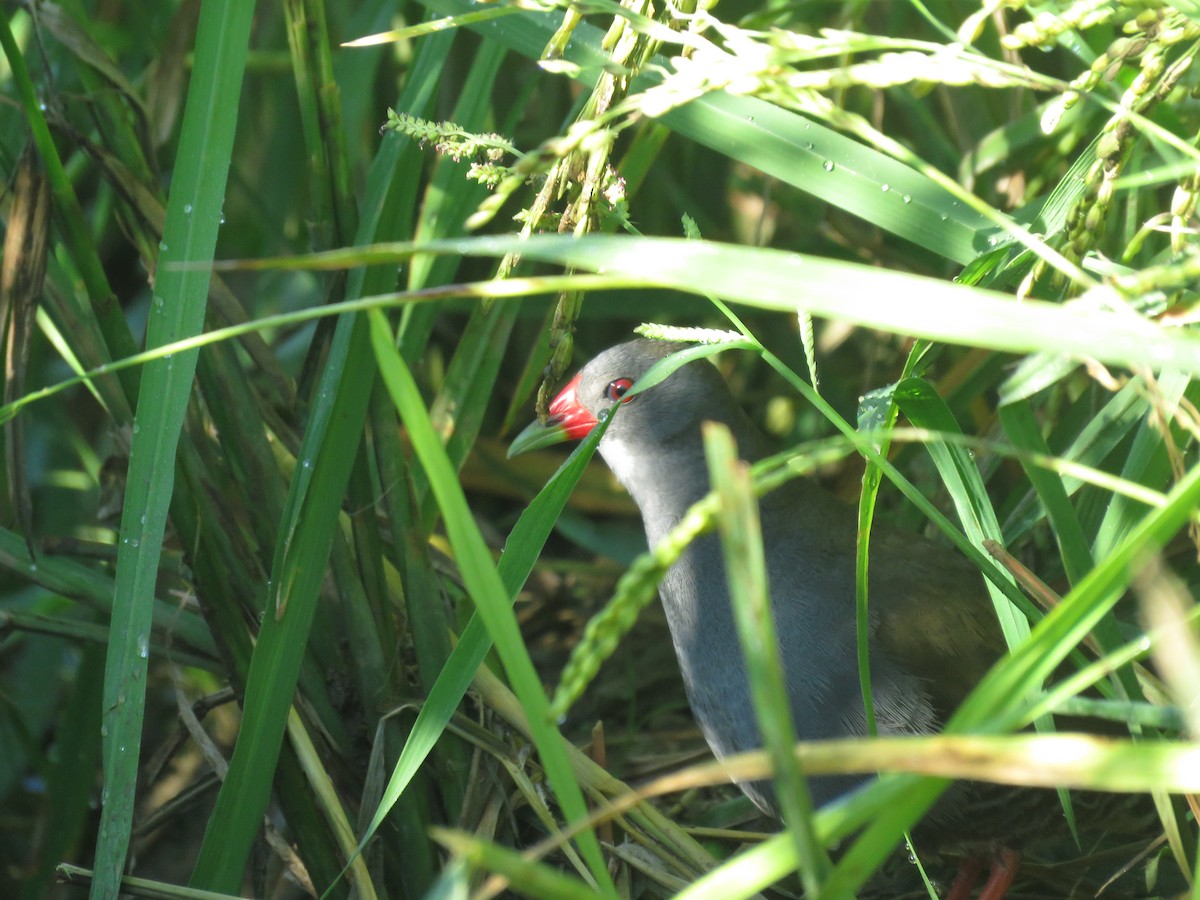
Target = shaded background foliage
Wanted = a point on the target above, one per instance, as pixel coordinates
(311, 531)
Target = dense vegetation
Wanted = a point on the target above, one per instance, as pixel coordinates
(273, 306)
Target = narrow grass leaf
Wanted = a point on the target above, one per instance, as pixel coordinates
(745, 567)
(996, 701)
(193, 217)
(871, 297)
(485, 586)
(1021, 428)
(919, 401)
(531, 879)
(1148, 461)
(330, 443)
(521, 551)
(310, 519)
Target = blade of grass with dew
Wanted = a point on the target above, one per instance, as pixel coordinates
(787, 146)
(746, 569)
(193, 217)
(485, 587)
(315, 495)
(310, 519)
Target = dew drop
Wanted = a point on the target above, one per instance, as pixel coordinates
(828, 165)
(907, 198)
(886, 187)
(187, 209)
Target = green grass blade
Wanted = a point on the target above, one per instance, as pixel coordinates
(1147, 462)
(310, 520)
(1022, 429)
(745, 565)
(924, 408)
(315, 495)
(83, 583)
(525, 876)
(871, 297)
(193, 217)
(521, 551)
(485, 586)
(997, 701)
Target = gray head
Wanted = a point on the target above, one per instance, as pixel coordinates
(660, 415)
(654, 444)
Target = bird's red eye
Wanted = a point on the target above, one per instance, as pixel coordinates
(616, 390)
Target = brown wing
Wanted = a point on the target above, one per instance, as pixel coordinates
(934, 615)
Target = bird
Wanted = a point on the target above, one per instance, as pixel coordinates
(933, 631)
